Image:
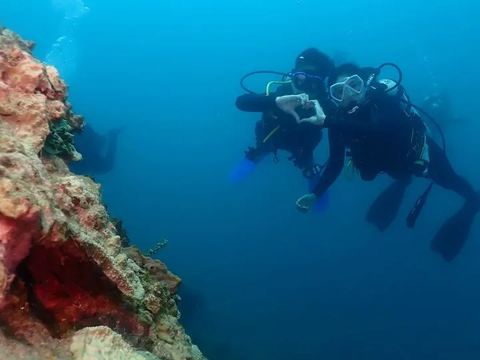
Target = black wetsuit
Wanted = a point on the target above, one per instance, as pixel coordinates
(384, 136)
(378, 136)
(298, 139)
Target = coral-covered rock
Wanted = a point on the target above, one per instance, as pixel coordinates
(68, 289)
(32, 96)
(157, 269)
(103, 343)
(28, 101)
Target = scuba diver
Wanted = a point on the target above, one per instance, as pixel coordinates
(439, 106)
(384, 133)
(289, 115)
(95, 160)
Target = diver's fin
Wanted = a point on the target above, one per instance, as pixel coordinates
(385, 208)
(245, 168)
(453, 234)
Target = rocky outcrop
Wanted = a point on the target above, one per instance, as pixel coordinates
(68, 289)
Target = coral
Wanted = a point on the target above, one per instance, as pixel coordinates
(75, 121)
(68, 289)
(9, 37)
(32, 100)
(28, 98)
(60, 141)
(103, 343)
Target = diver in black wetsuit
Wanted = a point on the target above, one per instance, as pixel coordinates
(439, 106)
(288, 112)
(385, 134)
(96, 159)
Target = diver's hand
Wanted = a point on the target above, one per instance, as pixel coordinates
(318, 118)
(306, 202)
(289, 103)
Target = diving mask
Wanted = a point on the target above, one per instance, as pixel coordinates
(351, 86)
(304, 81)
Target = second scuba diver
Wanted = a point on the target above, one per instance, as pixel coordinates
(98, 151)
(438, 104)
(289, 121)
(384, 133)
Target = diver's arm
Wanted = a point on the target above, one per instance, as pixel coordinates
(335, 163)
(256, 102)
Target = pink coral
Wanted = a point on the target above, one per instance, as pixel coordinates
(31, 94)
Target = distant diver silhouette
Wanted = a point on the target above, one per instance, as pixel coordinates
(96, 160)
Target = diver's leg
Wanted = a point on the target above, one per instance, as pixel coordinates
(305, 161)
(453, 234)
(302, 146)
(443, 174)
(302, 158)
(385, 208)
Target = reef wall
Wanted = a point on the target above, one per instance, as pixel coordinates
(68, 289)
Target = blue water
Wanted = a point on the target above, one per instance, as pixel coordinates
(262, 281)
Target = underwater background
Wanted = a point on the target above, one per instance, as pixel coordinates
(262, 281)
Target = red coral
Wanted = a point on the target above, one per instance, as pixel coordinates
(74, 291)
(16, 237)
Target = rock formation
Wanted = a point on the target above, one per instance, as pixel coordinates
(68, 289)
